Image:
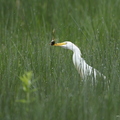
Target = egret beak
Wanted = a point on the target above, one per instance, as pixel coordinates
(59, 44)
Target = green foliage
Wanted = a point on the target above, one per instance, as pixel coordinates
(26, 80)
(58, 93)
(26, 84)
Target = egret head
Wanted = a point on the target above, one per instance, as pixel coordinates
(66, 45)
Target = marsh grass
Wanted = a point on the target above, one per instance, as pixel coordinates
(25, 34)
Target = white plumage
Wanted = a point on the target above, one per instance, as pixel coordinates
(80, 64)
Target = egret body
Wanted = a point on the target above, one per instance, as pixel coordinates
(80, 64)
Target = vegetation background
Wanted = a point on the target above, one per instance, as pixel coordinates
(58, 92)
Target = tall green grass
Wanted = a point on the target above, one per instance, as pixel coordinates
(25, 34)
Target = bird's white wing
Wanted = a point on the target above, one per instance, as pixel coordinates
(83, 68)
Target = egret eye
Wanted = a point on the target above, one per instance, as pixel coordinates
(52, 42)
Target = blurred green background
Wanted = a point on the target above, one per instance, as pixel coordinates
(57, 90)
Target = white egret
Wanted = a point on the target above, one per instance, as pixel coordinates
(80, 64)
